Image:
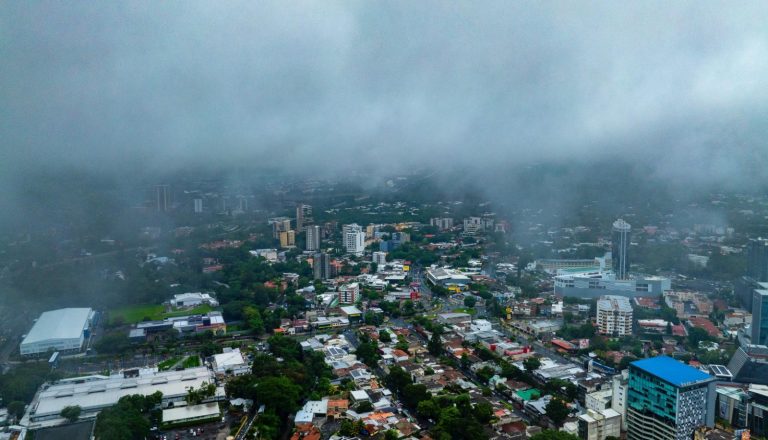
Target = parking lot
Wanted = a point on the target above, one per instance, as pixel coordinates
(208, 431)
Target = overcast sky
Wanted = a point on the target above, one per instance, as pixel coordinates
(680, 85)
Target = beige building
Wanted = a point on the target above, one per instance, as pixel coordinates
(597, 425)
(614, 315)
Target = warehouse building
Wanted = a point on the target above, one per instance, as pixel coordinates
(58, 330)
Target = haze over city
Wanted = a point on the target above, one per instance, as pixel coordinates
(383, 220)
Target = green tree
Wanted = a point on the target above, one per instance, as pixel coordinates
(280, 394)
(16, 409)
(470, 301)
(435, 344)
(531, 364)
(557, 411)
(364, 407)
(384, 336)
(71, 413)
(549, 434)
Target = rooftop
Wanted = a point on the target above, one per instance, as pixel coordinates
(59, 324)
(672, 371)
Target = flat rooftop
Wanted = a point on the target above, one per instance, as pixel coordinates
(672, 371)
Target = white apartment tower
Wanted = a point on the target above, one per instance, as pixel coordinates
(614, 315)
(313, 238)
(354, 239)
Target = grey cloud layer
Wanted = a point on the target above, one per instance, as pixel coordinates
(107, 83)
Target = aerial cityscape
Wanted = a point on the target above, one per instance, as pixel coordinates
(386, 221)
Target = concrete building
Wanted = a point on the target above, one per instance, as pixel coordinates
(760, 317)
(619, 387)
(280, 224)
(442, 223)
(58, 330)
(473, 225)
(446, 277)
(598, 283)
(303, 217)
(94, 393)
(313, 238)
(614, 315)
(667, 400)
(268, 254)
(162, 198)
(597, 425)
(620, 248)
(380, 258)
(354, 239)
(757, 259)
(321, 266)
(230, 362)
(198, 205)
(349, 293)
(193, 299)
(288, 239)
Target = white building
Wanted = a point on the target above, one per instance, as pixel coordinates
(614, 315)
(94, 393)
(268, 254)
(349, 293)
(58, 330)
(599, 400)
(354, 239)
(313, 238)
(380, 258)
(193, 299)
(230, 362)
(597, 425)
(442, 223)
(619, 387)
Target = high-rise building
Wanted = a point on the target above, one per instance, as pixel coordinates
(614, 315)
(162, 198)
(280, 224)
(620, 249)
(619, 387)
(349, 293)
(321, 266)
(380, 258)
(760, 317)
(313, 238)
(667, 400)
(198, 203)
(598, 425)
(303, 217)
(354, 239)
(757, 259)
(442, 223)
(288, 239)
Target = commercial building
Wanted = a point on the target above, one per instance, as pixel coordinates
(667, 400)
(354, 239)
(303, 217)
(94, 393)
(597, 425)
(230, 362)
(192, 414)
(598, 283)
(192, 299)
(313, 238)
(185, 325)
(321, 266)
(58, 330)
(760, 317)
(349, 293)
(620, 248)
(614, 315)
(440, 276)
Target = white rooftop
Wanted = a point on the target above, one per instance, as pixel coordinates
(228, 359)
(59, 324)
(191, 412)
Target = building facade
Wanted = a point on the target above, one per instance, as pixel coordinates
(313, 238)
(380, 258)
(667, 400)
(349, 293)
(598, 425)
(354, 239)
(620, 248)
(321, 266)
(760, 317)
(614, 315)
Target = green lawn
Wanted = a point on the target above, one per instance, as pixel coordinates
(168, 363)
(134, 314)
(191, 361)
(155, 312)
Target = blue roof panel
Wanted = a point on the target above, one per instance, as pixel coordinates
(672, 371)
